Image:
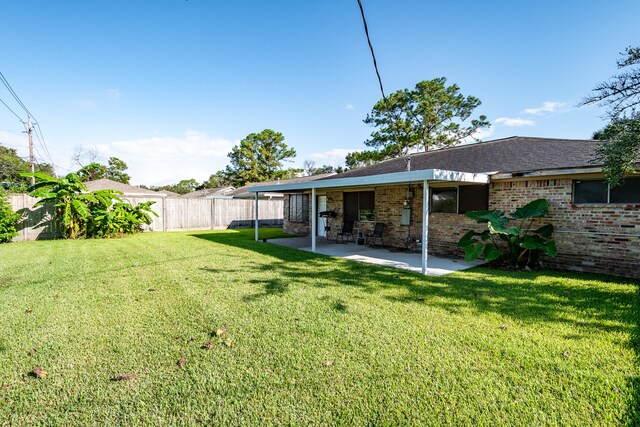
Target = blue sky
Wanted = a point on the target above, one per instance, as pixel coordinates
(169, 86)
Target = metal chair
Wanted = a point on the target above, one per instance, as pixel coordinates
(376, 233)
(345, 231)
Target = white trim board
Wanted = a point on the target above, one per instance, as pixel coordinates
(383, 179)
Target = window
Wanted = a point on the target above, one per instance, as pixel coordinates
(444, 200)
(359, 206)
(299, 208)
(473, 198)
(597, 191)
(460, 199)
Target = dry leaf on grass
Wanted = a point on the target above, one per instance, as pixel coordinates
(208, 346)
(328, 363)
(28, 310)
(182, 361)
(566, 354)
(221, 331)
(228, 342)
(503, 327)
(123, 377)
(38, 372)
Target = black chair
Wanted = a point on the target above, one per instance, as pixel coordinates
(345, 231)
(371, 236)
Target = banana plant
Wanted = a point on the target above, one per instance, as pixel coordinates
(519, 245)
(71, 199)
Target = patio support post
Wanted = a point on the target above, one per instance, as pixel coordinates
(314, 219)
(256, 222)
(425, 224)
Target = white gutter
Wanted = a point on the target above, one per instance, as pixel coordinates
(382, 179)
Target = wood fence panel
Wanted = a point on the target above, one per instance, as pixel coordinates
(35, 222)
(188, 214)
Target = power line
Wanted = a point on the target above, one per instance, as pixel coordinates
(9, 108)
(38, 130)
(40, 138)
(14, 94)
(373, 55)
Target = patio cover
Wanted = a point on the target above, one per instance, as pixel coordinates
(424, 177)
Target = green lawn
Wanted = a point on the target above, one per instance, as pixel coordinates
(481, 347)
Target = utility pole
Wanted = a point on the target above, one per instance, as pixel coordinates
(32, 161)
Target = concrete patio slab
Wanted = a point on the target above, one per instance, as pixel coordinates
(436, 265)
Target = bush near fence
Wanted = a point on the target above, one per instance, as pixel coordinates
(174, 214)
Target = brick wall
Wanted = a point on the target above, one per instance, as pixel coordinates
(591, 238)
(597, 238)
(296, 228)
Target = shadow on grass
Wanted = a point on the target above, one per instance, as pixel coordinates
(545, 296)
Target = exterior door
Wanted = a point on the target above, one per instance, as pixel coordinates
(321, 222)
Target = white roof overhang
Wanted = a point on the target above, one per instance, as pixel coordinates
(432, 175)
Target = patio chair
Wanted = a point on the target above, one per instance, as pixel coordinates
(345, 231)
(375, 234)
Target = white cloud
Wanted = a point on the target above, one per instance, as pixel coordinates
(514, 122)
(162, 160)
(547, 107)
(350, 107)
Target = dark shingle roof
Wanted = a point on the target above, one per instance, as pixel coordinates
(514, 154)
(209, 192)
(243, 192)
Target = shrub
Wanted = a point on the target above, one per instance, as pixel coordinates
(521, 245)
(119, 218)
(81, 213)
(8, 219)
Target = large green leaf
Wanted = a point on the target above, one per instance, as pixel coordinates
(545, 230)
(467, 239)
(532, 242)
(536, 209)
(81, 208)
(537, 243)
(496, 228)
(491, 252)
(486, 216)
(550, 248)
(472, 252)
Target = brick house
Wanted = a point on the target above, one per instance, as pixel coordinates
(597, 228)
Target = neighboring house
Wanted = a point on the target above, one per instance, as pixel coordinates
(597, 228)
(126, 189)
(210, 193)
(246, 193)
(169, 193)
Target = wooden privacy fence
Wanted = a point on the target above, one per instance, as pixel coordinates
(174, 214)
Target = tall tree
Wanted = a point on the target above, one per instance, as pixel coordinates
(259, 157)
(310, 168)
(114, 170)
(216, 180)
(620, 146)
(432, 115)
(12, 165)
